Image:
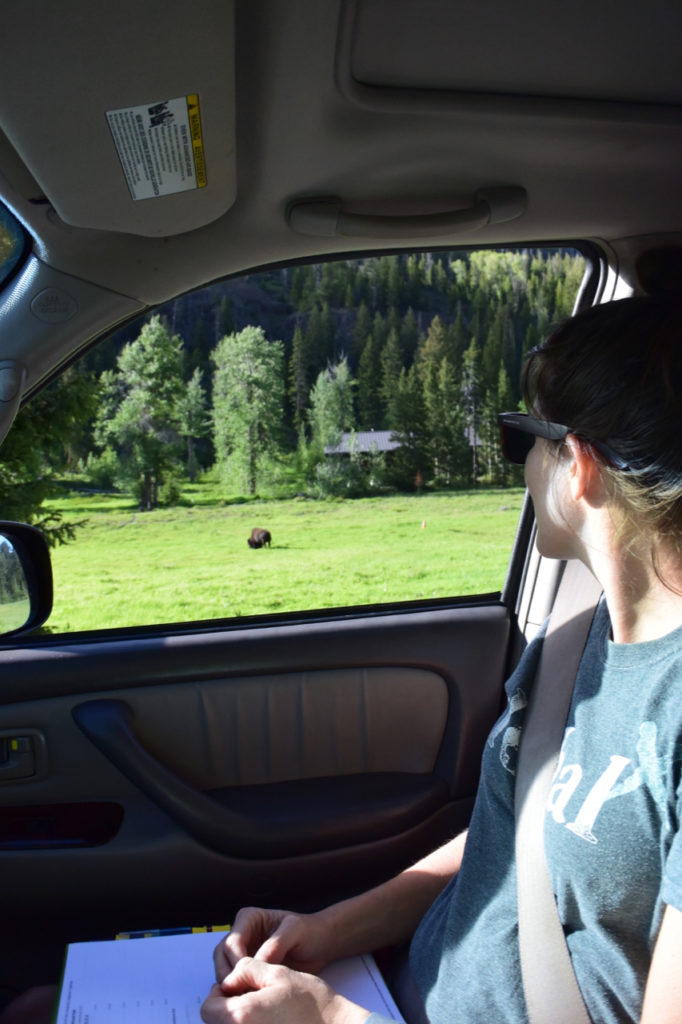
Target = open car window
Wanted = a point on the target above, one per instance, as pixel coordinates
(304, 438)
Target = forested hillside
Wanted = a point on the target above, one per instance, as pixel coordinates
(254, 378)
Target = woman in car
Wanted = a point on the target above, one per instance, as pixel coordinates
(607, 490)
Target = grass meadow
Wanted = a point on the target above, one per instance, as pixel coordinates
(192, 562)
(13, 614)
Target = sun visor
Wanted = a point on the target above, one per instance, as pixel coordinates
(139, 134)
(478, 57)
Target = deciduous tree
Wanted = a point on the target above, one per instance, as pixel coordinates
(331, 405)
(248, 400)
(139, 414)
(193, 418)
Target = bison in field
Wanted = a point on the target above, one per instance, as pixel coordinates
(259, 538)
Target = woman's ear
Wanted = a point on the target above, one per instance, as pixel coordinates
(583, 471)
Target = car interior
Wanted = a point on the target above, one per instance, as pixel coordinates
(165, 777)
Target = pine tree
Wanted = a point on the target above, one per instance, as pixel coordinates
(415, 279)
(407, 421)
(380, 330)
(303, 288)
(409, 337)
(391, 365)
(361, 329)
(319, 336)
(498, 399)
(491, 355)
(299, 376)
(451, 446)
(472, 401)
(394, 291)
(370, 412)
(225, 317)
(198, 355)
(432, 350)
(35, 451)
(457, 341)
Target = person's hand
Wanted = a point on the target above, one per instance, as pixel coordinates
(36, 1006)
(256, 992)
(277, 936)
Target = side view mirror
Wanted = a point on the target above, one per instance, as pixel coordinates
(25, 579)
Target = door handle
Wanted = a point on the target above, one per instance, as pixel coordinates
(310, 820)
(109, 724)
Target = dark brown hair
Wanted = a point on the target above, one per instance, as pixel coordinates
(614, 374)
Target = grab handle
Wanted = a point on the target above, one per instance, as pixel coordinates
(326, 218)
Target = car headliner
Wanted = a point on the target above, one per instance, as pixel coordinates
(390, 107)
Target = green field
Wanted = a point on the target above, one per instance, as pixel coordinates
(14, 614)
(192, 562)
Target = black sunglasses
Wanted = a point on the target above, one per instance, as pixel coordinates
(518, 431)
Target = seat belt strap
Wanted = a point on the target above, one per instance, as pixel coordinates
(549, 982)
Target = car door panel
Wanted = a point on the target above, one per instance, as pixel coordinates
(317, 758)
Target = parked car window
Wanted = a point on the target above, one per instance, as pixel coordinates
(313, 437)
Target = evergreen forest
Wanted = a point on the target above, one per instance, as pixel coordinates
(254, 381)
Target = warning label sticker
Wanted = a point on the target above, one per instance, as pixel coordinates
(160, 146)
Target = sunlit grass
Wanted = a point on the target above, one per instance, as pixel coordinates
(192, 562)
(13, 614)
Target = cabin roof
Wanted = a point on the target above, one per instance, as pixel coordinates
(364, 441)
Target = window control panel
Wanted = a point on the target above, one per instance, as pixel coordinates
(23, 755)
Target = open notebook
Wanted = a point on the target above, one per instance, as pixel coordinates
(165, 979)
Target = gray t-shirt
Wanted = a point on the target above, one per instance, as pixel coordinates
(612, 835)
